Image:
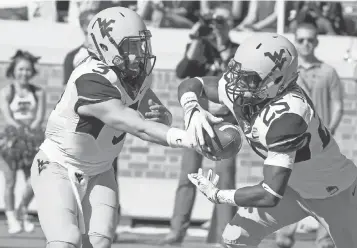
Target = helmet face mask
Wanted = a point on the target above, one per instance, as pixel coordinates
(244, 87)
(135, 55)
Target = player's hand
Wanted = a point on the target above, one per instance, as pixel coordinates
(207, 185)
(197, 119)
(158, 113)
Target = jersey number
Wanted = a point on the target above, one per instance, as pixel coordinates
(284, 107)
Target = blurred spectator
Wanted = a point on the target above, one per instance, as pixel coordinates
(349, 10)
(23, 107)
(173, 14)
(74, 57)
(208, 54)
(262, 16)
(327, 16)
(42, 11)
(14, 10)
(239, 8)
(322, 84)
(76, 8)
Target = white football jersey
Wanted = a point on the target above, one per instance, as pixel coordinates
(289, 123)
(82, 141)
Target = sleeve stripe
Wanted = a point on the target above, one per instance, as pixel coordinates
(287, 133)
(88, 99)
(82, 102)
(284, 142)
(271, 191)
(292, 145)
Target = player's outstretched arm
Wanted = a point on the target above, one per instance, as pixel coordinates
(266, 194)
(196, 118)
(202, 87)
(115, 114)
(99, 98)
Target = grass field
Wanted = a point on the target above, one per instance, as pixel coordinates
(138, 237)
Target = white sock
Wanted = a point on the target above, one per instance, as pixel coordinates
(10, 215)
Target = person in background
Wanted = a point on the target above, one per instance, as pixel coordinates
(328, 16)
(322, 84)
(174, 14)
(239, 8)
(207, 54)
(42, 11)
(77, 55)
(23, 108)
(262, 16)
(14, 10)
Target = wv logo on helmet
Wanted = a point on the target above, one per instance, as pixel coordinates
(277, 58)
(104, 26)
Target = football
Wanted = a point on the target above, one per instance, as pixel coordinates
(227, 141)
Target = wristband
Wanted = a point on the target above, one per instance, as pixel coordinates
(225, 197)
(176, 137)
(188, 99)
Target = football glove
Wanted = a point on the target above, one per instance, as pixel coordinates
(207, 185)
(196, 118)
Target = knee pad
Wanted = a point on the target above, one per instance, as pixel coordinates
(61, 244)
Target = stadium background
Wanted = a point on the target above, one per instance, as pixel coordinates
(148, 173)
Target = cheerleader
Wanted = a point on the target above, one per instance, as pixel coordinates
(23, 108)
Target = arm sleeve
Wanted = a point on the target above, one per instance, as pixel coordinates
(281, 159)
(93, 88)
(287, 133)
(189, 68)
(336, 88)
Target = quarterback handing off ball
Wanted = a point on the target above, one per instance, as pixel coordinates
(227, 141)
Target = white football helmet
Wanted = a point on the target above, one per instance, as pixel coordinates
(262, 67)
(119, 37)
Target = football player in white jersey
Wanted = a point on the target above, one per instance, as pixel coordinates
(72, 175)
(305, 173)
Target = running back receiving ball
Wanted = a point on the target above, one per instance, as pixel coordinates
(304, 172)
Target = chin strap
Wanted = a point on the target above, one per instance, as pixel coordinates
(292, 80)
